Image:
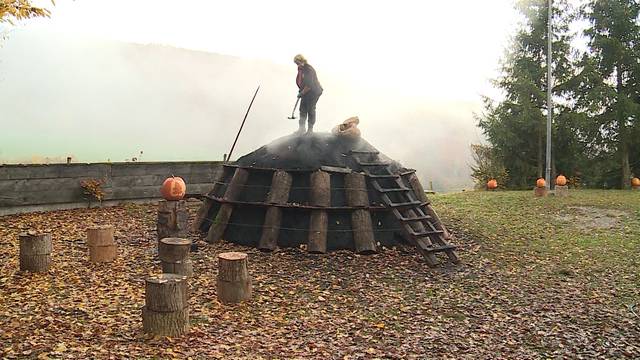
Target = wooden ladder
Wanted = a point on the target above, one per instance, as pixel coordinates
(418, 226)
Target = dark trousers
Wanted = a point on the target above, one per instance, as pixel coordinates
(308, 109)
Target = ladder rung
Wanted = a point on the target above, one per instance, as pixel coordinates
(393, 190)
(383, 176)
(418, 218)
(380, 189)
(374, 163)
(426, 233)
(439, 248)
(404, 204)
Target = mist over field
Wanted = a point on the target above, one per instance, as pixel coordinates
(102, 100)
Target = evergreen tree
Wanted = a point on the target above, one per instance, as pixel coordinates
(516, 126)
(609, 88)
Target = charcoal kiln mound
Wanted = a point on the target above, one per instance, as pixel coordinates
(324, 192)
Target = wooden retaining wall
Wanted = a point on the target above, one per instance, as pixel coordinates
(51, 186)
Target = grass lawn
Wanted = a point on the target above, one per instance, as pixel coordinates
(540, 278)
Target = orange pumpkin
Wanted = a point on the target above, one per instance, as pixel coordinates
(173, 188)
(540, 183)
(635, 182)
(561, 180)
(492, 184)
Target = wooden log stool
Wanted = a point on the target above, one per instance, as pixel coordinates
(562, 190)
(173, 218)
(35, 251)
(102, 246)
(174, 256)
(234, 282)
(540, 191)
(166, 310)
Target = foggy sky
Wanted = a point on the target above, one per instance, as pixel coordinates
(102, 100)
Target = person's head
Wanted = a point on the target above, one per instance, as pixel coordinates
(300, 60)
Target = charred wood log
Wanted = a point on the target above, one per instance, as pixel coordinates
(219, 225)
(279, 194)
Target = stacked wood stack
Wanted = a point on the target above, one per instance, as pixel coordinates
(318, 225)
(173, 218)
(166, 310)
(102, 246)
(35, 252)
(234, 281)
(174, 256)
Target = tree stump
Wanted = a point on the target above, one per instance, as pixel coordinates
(102, 246)
(234, 281)
(173, 218)
(562, 190)
(174, 256)
(35, 252)
(166, 310)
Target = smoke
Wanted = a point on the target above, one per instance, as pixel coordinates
(105, 100)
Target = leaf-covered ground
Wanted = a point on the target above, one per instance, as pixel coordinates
(537, 281)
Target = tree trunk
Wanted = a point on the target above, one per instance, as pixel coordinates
(101, 243)
(623, 143)
(166, 310)
(35, 252)
(233, 282)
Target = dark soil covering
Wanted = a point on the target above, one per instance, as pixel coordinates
(310, 152)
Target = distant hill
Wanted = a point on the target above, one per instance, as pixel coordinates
(100, 100)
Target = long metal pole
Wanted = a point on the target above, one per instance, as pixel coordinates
(241, 125)
(549, 103)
